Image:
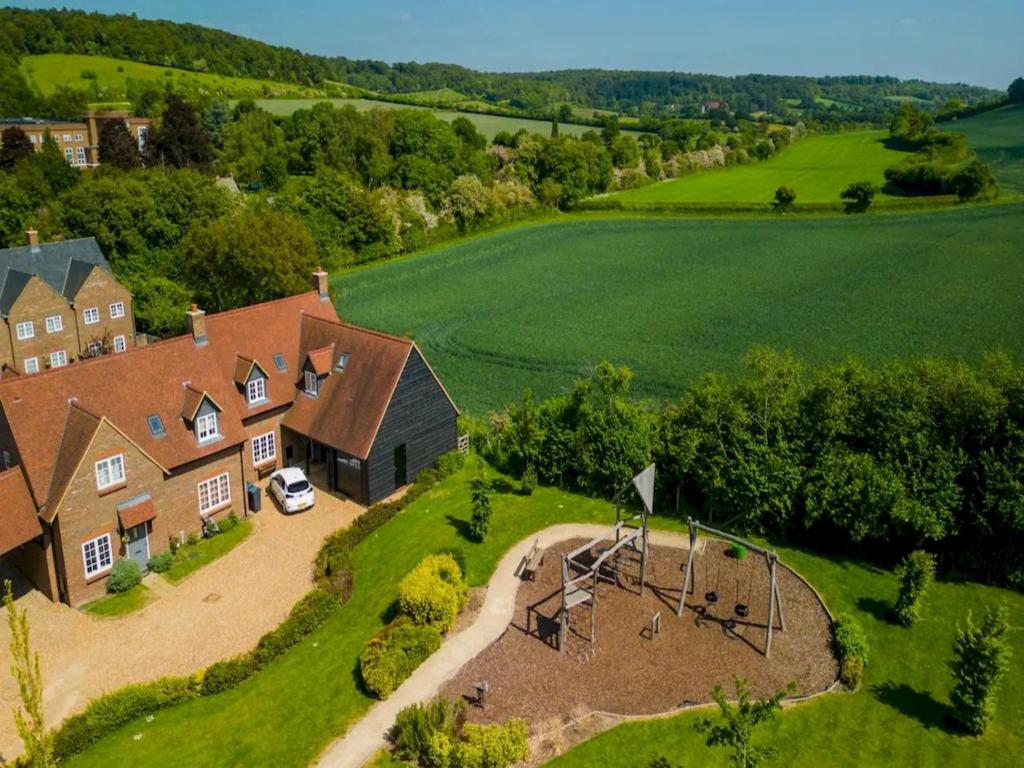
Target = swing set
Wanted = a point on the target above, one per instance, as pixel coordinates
(741, 610)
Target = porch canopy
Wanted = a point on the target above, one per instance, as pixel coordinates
(136, 511)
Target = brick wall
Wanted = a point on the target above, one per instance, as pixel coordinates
(260, 425)
(37, 302)
(100, 290)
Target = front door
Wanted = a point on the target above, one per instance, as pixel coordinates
(138, 544)
(400, 469)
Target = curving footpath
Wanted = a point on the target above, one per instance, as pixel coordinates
(364, 739)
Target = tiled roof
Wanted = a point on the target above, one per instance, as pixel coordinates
(20, 522)
(64, 265)
(136, 511)
(321, 360)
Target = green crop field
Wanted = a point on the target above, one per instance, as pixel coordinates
(47, 71)
(817, 167)
(998, 138)
(674, 298)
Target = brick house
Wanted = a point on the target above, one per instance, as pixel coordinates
(119, 454)
(79, 141)
(58, 302)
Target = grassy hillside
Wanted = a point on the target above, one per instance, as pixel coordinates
(675, 298)
(998, 138)
(47, 71)
(817, 167)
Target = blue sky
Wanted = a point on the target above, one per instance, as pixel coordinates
(976, 42)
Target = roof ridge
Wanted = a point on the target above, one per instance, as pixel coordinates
(364, 329)
(239, 310)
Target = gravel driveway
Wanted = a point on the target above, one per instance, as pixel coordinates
(220, 610)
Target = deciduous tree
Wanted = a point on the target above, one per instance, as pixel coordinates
(736, 730)
(117, 146)
(14, 145)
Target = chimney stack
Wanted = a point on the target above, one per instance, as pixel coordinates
(33, 240)
(197, 325)
(320, 284)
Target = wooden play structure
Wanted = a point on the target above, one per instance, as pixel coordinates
(580, 576)
(742, 609)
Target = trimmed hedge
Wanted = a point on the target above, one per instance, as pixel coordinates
(394, 653)
(224, 675)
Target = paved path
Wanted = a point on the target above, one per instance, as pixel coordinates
(364, 739)
(217, 612)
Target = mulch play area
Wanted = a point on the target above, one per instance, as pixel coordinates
(625, 671)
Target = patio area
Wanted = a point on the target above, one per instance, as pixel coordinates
(218, 611)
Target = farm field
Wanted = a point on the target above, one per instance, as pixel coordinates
(817, 167)
(45, 72)
(293, 708)
(675, 298)
(998, 138)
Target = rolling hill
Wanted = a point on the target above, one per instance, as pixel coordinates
(998, 138)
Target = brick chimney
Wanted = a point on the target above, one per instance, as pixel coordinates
(197, 325)
(320, 284)
(33, 240)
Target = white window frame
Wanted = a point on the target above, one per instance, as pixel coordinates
(31, 365)
(204, 432)
(214, 493)
(78, 137)
(67, 138)
(69, 155)
(54, 324)
(264, 448)
(58, 359)
(100, 551)
(256, 390)
(120, 344)
(312, 383)
(110, 472)
(26, 330)
(80, 155)
(88, 312)
(116, 310)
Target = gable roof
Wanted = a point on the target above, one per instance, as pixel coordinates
(20, 524)
(63, 265)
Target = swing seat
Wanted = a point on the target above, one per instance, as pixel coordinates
(741, 610)
(711, 597)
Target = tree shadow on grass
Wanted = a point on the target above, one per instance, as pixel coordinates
(880, 609)
(920, 705)
(461, 527)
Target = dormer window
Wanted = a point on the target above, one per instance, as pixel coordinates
(206, 427)
(312, 384)
(256, 390)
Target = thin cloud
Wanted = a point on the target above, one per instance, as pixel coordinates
(910, 21)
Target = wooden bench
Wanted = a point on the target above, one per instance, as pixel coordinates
(533, 560)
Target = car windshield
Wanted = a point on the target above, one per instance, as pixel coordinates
(298, 486)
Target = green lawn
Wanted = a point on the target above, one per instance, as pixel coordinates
(817, 167)
(674, 298)
(190, 559)
(291, 710)
(998, 138)
(46, 71)
(121, 604)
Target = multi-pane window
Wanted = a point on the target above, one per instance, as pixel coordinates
(31, 365)
(120, 344)
(110, 471)
(116, 310)
(214, 493)
(78, 137)
(54, 323)
(67, 138)
(206, 427)
(311, 383)
(69, 155)
(80, 155)
(264, 448)
(256, 389)
(97, 555)
(91, 315)
(58, 359)
(26, 330)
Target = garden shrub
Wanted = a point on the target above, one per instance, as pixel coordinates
(123, 576)
(981, 657)
(112, 711)
(457, 554)
(161, 563)
(428, 476)
(224, 675)
(481, 521)
(394, 653)
(529, 479)
(852, 649)
(915, 573)
(439, 754)
(413, 732)
(491, 746)
(433, 592)
(450, 463)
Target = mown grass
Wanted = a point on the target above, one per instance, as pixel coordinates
(46, 71)
(191, 558)
(998, 138)
(121, 604)
(292, 709)
(817, 167)
(675, 298)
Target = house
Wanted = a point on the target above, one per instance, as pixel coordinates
(712, 105)
(79, 141)
(60, 302)
(117, 455)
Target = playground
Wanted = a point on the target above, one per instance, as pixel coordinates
(598, 626)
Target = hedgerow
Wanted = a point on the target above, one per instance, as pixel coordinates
(394, 653)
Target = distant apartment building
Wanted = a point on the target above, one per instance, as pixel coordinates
(60, 302)
(80, 142)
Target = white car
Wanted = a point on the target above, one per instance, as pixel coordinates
(292, 489)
